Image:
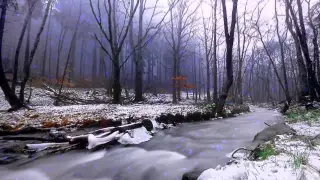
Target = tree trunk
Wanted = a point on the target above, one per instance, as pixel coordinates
(286, 85)
(316, 56)
(174, 82)
(73, 59)
(8, 92)
(60, 45)
(215, 68)
(82, 59)
(229, 45)
(303, 77)
(44, 63)
(26, 68)
(179, 82)
(116, 81)
(301, 32)
(16, 58)
(72, 47)
(94, 64)
(33, 52)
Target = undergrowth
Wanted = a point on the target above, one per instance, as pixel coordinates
(303, 116)
(267, 151)
(299, 159)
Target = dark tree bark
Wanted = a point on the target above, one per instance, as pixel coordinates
(8, 92)
(72, 44)
(115, 41)
(26, 68)
(282, 55)
(215, 67)
(33, 51)
(314, 87)
(303, 77)
(94, 64)
(82, 60)
(60, 46)
(44, 63)
(229, 36)
(16, 57)
(139, 58)
(316, 56)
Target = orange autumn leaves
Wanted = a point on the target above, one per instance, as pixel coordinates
(180, 82)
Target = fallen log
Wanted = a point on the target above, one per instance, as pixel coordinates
(25, 138)
(43, 146)
(31, 130)
(83, 139)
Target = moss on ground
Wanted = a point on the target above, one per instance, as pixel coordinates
(300, 115)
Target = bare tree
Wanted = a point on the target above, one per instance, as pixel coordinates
(282, 55)
(316, 56)
(242, 52)
(215, 67)
(299, 25)
(33, 52)
(180, 31)
(44, 62)
(303, 77)
(31, 5)
(10, 95)
(229, 37)
(115, 40)
(73, 41)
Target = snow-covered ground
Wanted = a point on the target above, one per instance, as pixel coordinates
(45, 111)
(286, 165)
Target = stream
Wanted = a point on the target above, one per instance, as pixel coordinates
(168, 155)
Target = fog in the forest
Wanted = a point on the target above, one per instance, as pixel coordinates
(173, 35)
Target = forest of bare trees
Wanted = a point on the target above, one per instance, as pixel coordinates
(222, 51)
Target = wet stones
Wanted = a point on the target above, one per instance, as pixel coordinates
(57, 136)
(194, 117)
(207, 116)
(178, 118)
(147, 124)
(193, 175)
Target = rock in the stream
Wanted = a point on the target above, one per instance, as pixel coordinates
(147, 124)
(57, 136)
(162, 119)
(9, 158)
(171, 119)
(271, 132)
(206, 116)
(179, 118)
(194, 117)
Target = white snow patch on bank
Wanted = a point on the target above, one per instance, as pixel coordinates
(138, 136)
(275, 167)
(303, 128)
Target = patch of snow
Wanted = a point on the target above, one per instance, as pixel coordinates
(94, 141)
(303, 128)
(275, 167)
(139, 135)
(43, 146)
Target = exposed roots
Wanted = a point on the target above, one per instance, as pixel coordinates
(238, 149)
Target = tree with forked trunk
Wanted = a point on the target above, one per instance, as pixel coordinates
(229, 39)
(114, 38)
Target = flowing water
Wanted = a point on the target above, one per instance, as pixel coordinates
(168, 155)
